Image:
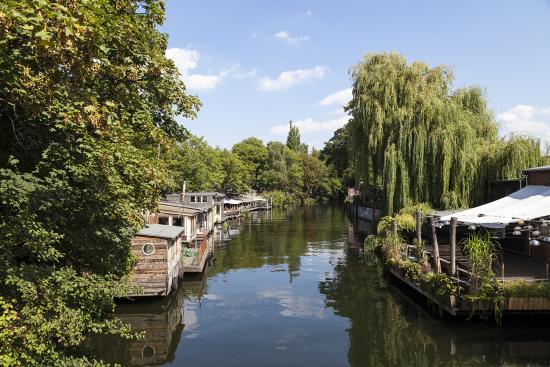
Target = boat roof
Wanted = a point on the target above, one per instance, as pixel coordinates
(161, 231)
(188, 208)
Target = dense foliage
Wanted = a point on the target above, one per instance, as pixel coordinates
(288, 175)
(425, 142)
(336, 154)
(87, 101)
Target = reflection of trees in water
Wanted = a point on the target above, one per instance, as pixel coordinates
(387, 330)
(283, 237)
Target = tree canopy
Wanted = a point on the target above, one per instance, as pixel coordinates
(87, 100)
(422, 140)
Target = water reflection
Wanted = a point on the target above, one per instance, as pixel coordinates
(290, 289)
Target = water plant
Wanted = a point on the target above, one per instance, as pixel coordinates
(405, 222)
(481, 254)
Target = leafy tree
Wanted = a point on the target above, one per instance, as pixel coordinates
(197, 163)
(237, 176)
(254, 155)
(87, 100)
(295, 171)
(335, 153)
(423, 141)
(275, 176)
(293, 138)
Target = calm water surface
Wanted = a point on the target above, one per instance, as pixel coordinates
(288, 289)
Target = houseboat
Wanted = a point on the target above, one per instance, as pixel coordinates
(157, 248)
(234, 206)
(206, 209)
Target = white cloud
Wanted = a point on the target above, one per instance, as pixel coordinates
(527, 120)
(245, 73)
(308, 12)
(294, 305)
(339, 98)
(309, 124)
(290, 78)
(186, 60)
(289, 39)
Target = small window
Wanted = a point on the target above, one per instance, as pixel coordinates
(204, 200)
(148, 249)
(148, 352)
(193, 199)
(163, 220)
(178, 222)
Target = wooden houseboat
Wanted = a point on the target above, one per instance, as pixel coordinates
(234, 206)
(176, 213)
(212, 201)
(198, 214)
(158, 250)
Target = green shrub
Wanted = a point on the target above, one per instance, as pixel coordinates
(425, 209)
(523, 288)
(405, 222)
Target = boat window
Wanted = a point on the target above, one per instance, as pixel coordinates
(204, 199)
(178, 222)
(148, 352)
(193, 199)
(163, 220)
(148, 249)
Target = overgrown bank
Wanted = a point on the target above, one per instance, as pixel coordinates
(87, 99)
(474, 288)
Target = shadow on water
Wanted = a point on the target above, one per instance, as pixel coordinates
(293, 288)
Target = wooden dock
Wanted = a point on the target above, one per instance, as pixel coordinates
(445, 258)
(197, 262)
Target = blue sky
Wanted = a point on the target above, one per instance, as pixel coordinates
(258, 64)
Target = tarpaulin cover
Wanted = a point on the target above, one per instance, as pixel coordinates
(528, 203)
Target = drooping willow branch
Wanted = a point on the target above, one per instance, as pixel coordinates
(425, 142)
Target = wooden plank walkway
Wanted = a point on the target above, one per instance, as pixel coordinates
(197, 263)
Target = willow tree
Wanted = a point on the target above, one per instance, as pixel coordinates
(423, 141)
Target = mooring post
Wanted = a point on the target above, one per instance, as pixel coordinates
(547, 270)
(418, 219)
(453, 246)
(394, 226)
(436, 245)
(502, 271)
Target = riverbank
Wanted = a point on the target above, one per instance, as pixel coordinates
(462, 277)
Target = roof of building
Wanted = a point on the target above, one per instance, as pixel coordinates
(161, 231)
(529, 203)
(205, 193)
(188, 208)
(537, 169)
(200, 206)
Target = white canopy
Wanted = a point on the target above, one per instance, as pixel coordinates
(232, 201)
(529, 203)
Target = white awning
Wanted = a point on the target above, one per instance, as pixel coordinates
(232, 201)
(529, 203)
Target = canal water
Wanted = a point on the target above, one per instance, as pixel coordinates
(291, 288)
